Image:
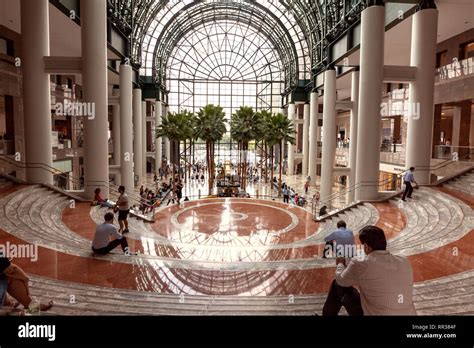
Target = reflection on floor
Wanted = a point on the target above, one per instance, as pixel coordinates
(233, 256)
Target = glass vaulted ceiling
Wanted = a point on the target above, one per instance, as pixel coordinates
(177, 18)
(293, 38)
(224, 63)
(230, 53)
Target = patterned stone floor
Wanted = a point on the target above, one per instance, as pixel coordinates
(233, 256)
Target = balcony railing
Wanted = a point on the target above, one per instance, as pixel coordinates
(457, 69)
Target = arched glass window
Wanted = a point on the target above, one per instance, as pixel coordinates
(224, 63)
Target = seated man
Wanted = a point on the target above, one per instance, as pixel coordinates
(15, 282)
(102, 243)
(341, 242)
(323, 211)
(385, 281)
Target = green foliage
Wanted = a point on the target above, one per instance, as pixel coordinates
(177, 126)
(210, 124)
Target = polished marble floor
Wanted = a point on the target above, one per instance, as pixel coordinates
(229, 247)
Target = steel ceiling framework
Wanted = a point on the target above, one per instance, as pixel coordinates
(302, 31)
(224, 62)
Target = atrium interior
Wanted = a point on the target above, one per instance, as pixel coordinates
(162, 157)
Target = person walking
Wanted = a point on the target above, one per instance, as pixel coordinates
(409, 179)
(306, 187)
(286, 194)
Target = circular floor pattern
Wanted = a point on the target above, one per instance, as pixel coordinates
(238, 219)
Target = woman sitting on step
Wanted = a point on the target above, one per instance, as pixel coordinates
(15, 283)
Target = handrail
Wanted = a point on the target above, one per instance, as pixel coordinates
(327, 201)
(135, 197)
(342, 194)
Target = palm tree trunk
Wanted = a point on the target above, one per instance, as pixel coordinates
(239, 157)
(244, 175)
(271, 164)
(262, 157)
(281, 168)
(173, 162)
(211, 174)
(185, 162)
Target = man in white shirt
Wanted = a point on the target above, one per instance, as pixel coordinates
(385, 281)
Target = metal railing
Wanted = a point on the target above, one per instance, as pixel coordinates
(339, 200)
(450, 152)
(136, 201)
(457, 69)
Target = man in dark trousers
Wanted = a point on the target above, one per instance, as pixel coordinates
(409, 179)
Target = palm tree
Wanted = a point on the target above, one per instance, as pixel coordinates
(265, 118)
(210, 126)
(245, 126)
(283, 131)
(271, 139)
(176, 127)
(188, 121)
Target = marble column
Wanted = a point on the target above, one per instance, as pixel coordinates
(291, 148)
(306, 154)
(421, 95)
(126, 127)
(354, 121)
(36, 90)
(313, 137)
(158, 141)
(116, 135)
(95, 92)
(329, 138)
(370, 99)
